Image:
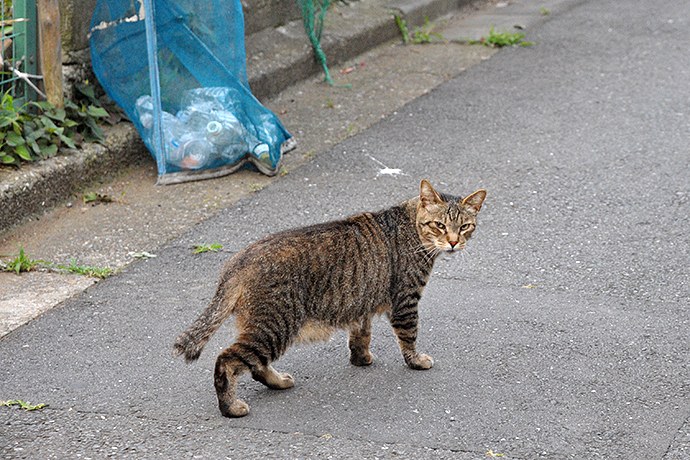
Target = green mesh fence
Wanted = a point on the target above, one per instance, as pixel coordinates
(18, 48)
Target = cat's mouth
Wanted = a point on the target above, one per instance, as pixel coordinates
(451, 249)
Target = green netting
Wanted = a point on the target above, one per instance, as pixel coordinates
(313, 16)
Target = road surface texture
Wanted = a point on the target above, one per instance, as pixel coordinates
(561, 333)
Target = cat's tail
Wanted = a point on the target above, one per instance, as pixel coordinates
(192, 341)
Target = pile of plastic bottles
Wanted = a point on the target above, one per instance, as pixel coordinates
(207, 130)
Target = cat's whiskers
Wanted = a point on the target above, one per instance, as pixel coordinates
(466, 254)
(428, 251)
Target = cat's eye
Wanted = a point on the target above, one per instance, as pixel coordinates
(440, 225)
(466, 227)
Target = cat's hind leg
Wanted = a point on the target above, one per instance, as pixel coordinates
(359, 341)
(248, 353)
(272, 379)
(230, 365)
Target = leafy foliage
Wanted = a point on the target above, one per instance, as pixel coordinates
(37, 130)
(21, 263)
(501, 39)
(425, 34)
(421, 35)
(22, 404)
(404, 30)
(201, 248)
(86, 270)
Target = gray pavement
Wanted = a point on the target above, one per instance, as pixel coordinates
(561, 333)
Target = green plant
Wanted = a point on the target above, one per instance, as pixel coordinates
(22, 404)
(85, 270)
(21, 263)
(425, 34)
(402, 27)
(94, 197)
(36, 130)
(501, 39)
(201, 248)
(544, 11)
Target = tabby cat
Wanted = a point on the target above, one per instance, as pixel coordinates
(300, 285)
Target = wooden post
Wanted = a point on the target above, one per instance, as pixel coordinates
(50, 50)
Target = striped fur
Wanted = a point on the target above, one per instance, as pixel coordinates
(301, 285)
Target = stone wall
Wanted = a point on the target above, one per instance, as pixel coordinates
(75, 18)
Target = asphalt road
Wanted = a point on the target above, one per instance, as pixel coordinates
(561, 333)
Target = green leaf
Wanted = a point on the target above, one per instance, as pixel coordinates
(13, 139)
(86, 90)
(67, 141)
(35, 135)
(97, 112)
(43, 105)
(48, 123)
(57, 114)
(34, 146)
(67, 123)
(7, 100)
(71, 105)
(7, 160)
(5, 121)
(96, 131)
(49, 150)
(23, 153)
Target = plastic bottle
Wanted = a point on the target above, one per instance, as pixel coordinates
(221, 97)
(171, 142)
(196, 152)
(233, 141)
(144, 108)
(269, 131)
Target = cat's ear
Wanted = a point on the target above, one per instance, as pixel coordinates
(427, 194)
(474, 201)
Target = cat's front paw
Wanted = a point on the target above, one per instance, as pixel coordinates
(420, 362)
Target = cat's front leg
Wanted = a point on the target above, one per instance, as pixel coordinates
(404, 321)
(360, 338)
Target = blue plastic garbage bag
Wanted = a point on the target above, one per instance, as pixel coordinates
(178, 70)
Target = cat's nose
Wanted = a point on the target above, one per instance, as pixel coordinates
(453, 243)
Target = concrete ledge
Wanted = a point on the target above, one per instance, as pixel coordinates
(36, 188)
(279, 57)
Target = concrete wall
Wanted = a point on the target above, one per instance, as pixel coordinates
(260, 14)
(75, 18)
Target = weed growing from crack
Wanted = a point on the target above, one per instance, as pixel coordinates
(501, 39)
(22, 404)
(425, 34)
(202, 248)
(23, 263)
(402, 27)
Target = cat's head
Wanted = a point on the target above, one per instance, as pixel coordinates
(445, 222)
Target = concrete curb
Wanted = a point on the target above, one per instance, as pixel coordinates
(276, 58)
